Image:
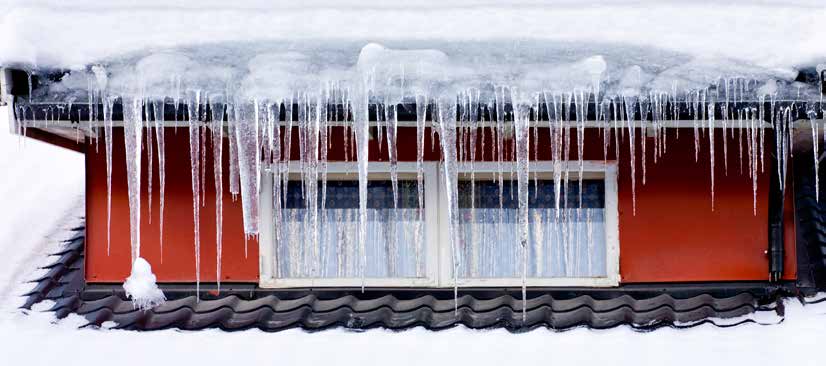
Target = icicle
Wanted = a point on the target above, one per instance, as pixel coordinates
(149, 157)
(132, 130)
(421, 115)
(644, 105)
(522, 131)
(725, 140)
(159, 138)
(288, 138)
(695, 112)
(234, 174)
(815, 155)
(630, 107)
(310, 128)
(447, 133)
(474, 125)
(392, 129)
(581, 116)
(362, 129)
(555, 130)
(500, 145)
(217, 131)
(711, 148)
(203, 164)
(247, 135)
(275, 149)
(107, 126)
(195, 145)
(753, 160)
(381, 120)
(323, 145)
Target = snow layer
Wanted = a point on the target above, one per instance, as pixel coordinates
(768, 33)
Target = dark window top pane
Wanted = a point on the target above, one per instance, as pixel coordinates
(542, 195)
(345, 194)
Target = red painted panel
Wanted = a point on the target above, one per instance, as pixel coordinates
(674, 236)
(178, 262)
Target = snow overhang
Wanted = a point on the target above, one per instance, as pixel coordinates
(744, 52)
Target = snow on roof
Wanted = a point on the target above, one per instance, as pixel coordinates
(776, 36)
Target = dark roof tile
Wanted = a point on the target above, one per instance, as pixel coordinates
(244, 306)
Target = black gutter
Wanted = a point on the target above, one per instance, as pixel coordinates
(680, 110)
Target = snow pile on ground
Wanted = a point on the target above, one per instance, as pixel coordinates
(41, 196)
(141, 287)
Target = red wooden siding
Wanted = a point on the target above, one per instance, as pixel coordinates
(178, 263)
(673, 237)
(676, 237)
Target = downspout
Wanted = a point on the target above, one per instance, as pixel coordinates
(776, 204)
(6, 98)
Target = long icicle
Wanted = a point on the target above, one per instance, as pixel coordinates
(107, 127)
(447, 134)
(421, 117)
(159, 138)
(132, 131)
(522, 130)
(217, 130)
(362, 130)
(149, 156)
(711, 147)
(195, 159)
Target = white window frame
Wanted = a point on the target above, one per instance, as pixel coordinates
(349, 171)
(606, 171)
(438, 271)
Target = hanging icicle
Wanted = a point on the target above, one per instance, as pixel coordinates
(447, 134)
(522, 132)
(140, 286)
(159, 138)
(195, 146)
(217, 132)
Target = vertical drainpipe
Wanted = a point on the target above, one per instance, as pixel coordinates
(776, 204)
(6, 99)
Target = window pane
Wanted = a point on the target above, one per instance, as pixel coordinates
(569, 242)
(395, 236)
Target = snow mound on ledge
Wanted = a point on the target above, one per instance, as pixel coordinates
(140, 286)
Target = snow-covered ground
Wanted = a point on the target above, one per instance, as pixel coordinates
(41, 195)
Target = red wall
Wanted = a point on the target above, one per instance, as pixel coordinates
(674, 235)
(178, 264)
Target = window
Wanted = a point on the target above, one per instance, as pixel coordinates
(573, 243)
(401, 238)
(570, 244)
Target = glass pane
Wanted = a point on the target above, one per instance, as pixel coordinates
(569, 242)
(395, 234)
